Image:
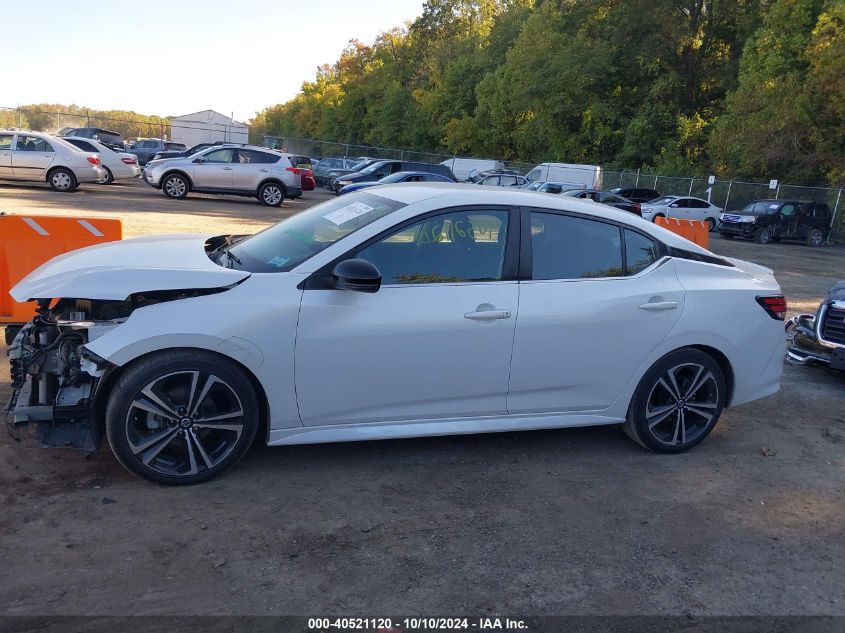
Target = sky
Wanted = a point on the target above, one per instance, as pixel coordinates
(182, 56)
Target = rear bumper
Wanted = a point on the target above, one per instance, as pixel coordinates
(89, 174)
(293, 192)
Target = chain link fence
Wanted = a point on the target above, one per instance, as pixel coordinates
(729, 194)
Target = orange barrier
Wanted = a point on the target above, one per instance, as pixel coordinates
(696, 231)
(26, 242)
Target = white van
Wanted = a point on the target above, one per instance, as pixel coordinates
(463, 168)
(587, 176)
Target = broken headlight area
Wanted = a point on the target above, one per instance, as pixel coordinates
(54, 377)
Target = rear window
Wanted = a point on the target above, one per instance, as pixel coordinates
(664, 200)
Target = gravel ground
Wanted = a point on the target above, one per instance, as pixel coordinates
(578, 521)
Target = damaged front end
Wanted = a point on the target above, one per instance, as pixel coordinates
(819, 337)
(54, 377)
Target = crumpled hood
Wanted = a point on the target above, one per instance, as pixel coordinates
(115, 270)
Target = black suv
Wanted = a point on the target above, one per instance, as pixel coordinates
(636, 194)
(767, 220)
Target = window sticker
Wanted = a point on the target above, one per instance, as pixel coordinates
(347, 213)
(773, 206)
(278, 261)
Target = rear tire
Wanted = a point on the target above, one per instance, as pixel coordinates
(711, 225)
(763, 235)
(271, 194)
(175, 186)
(62, 180)
(677, 403)
(181, 417)
(815, 238)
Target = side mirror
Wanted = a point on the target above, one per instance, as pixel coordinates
(674, 205)
(356, 274)
(199, 159)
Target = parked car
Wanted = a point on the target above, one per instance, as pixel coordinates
(146, 148)
(465, 168)
(549, 187)
(361, 293)
(588, 176)
(326, 165)
(308, 182)
(109, 138)
(118, 165)
(172, 153)
(382, 168)
(235, 170)
(820, 337)
(503, 180)
(604, 197)
(38, 157)
(399, 176)
(683, 208)
(336, 174)
(636, 194)
(476, 177)
(767, 220)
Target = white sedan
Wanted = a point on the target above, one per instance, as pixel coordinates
(684, 208)
(118, 165)
(400, 311)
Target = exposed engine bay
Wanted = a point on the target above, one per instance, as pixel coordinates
(55, 378)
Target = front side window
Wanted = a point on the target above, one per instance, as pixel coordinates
(219, 156)
(565, 247)
(32, 144)
(287, 244)
(6, 142)
(462, 246)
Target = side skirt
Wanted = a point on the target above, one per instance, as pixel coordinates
(429, 428)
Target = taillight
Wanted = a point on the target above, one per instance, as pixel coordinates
(94, 160)
(639, 208)
(128, 161)
(295, 170)
(775, 306)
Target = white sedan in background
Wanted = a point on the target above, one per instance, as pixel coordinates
(39, 157)
(399, 311)
(118, 165)
(683, 208)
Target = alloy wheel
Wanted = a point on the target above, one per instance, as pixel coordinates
(175, 187)
(682, 404)
(184, 423)
(271, 195)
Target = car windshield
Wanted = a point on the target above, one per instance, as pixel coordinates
(572, 192)
(372, 168)
(664, 200)
(397, 177)
(761, 207)
(287, 244)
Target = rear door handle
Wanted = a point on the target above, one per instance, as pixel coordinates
(227, 169)
(488, 315)
(264, 170)
(659, 306)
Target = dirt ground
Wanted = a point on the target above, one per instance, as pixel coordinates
(551, 522)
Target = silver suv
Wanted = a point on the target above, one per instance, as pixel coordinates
(241, 170)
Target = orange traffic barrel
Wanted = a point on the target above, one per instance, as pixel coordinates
(697, 231)
(26, 242)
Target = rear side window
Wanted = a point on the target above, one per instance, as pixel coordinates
(32, 144)
(6, 141)
(565, 247)
(640, 252)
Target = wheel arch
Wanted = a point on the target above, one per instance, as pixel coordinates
(275, 180)
(724, 364)
(182, 173)
(52, 169)
(110, 378)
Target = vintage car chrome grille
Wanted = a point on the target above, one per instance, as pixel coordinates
(833, 324)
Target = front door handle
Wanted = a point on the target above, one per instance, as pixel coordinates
(659, 306)
(227, 169)
(488, 315)
(264, 170)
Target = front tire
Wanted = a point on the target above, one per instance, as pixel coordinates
(815, 238)
(175, 186)
(763, 235)
(181, 417)
(271, 194)
(657, 215)
(677, 403)
(62, 180)
(711, 225)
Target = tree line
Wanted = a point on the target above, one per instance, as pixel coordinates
(740, 88)
(50, 117)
